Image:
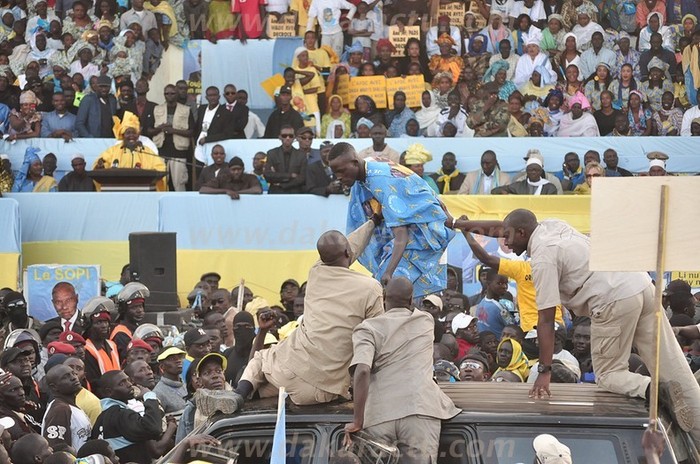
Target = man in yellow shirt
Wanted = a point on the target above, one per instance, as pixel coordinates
(131, 153)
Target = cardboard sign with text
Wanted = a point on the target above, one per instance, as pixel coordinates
(454, 10)
(412, 86)
(285, 27)
(372, 86)
(399, 38)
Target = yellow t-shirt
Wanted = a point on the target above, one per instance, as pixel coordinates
(302, 9)
(89, 403)
(521, 273)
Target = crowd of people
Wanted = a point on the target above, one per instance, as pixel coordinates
(539, 68)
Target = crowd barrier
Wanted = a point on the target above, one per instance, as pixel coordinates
(262, 239)
(683, 151)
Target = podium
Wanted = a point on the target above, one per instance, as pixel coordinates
(126, 179)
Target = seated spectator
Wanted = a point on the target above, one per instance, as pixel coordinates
(657, 164)
(533, 59)
(213, 171)
(335, 124)
(446, 61)
(511, 358)
(625, 55)
(495, 32)
(283, 115)
(519, 119)
(428, 114)
(30, 178)
(95, 112)
(605, 116)
(320, 179)
(455, 114)
(49, 164)
(522, 27)
(484, 180)
(233, 184)
(578, 122)
(656, 50)
(622, 86)
(59, 123)
(380, 150)
(639, 117)
(477, 56)
(586, 26)
(646, 7)
(593, 169)
(489, 116)
(592, 58)
(131, 152)
(597, 84)
(30, 449)
(305, 137)
(553, 35)
(498, 73)
(534, 184)
(657, 84)
(571, 175)
(448, 178)
(397, 118)
(25, 123)
(432, 46)
(77, 180)
(365, 108)
(415, 158)
(259, 161)
(655, 25)
(464, 329)
(668, 119)
(285, 168)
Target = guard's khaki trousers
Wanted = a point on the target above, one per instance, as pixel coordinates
(616, 328)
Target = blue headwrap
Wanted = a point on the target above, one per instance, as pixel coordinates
(545, 76)
(494, 68)
(356, 47)
(30, 155)
(554, 93)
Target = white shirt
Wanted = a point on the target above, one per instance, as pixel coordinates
(460, 122)
(80, 427)
(432, 48)
(688, 117)
(563, 355)
(526, 66)
(536, 13)
(328, 14)
(255, 127)
(488, 182)
(87, 72)
(378, 18)
(278, 6)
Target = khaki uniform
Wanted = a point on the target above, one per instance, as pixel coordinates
(312, 363)
(622, 309)
(404, 404)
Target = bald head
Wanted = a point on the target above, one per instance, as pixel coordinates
(399, 293)
(519, 226)
(521, 218)
(333, 248)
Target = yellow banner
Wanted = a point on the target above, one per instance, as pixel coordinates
(372, 86)
(454, 10)
(399, 37)
(412, 86)
(693, 278)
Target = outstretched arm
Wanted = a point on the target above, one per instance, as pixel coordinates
(482, 255)
(359, 239)
(488, 228)
(400, 241)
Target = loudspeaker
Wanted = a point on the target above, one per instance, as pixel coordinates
(153, 262)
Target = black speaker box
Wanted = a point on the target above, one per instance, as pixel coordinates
(153, 262)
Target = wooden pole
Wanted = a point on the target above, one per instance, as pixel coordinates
(660, 265)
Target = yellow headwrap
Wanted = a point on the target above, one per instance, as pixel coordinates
(518, 362)
(104, 23)
(417, 154)
(129, 121)
(445, 39)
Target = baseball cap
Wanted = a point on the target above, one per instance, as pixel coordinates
(48, 327)
(678, 287)
(104, 79)
(72, 338)
(169, 351)
(210, 274)
(435, 300)
(549, 450)
(461, 321)
(289, 282)
(60, 348)
(195, 337)
(447, 367)
(138, 344)
(305, 130)
(217, 356)
(284, 89)
(10, 354)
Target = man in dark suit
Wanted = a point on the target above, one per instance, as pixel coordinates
(65, 302)
(285, 168)
(212, 119)
(141, 106)
(319, 176)
(94, 119)
(283, 115)
(239, 113)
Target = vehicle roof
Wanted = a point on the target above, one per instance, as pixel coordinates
(484, 402)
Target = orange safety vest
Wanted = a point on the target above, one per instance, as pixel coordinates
(121, 328)
(107, 362)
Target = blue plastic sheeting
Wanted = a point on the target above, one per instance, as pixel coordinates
(246, 66)
(10, 228)
(215, 222)
(510, 151)
(110, 216)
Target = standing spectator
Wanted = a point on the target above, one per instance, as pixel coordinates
(172, 130)
(213, 171)
(18, 362)
(131, 308)
(239, 113)
(127, 429)
(59, 123)
(101, 354)
(464, 329)
(285, 168)
(328, 14)
(212, 122)
(491, 312)
(137, 14)
(397, 118)
(380, 150)
(255, 128)
(305, 137)
(171, 390)
(259, 161)
(197, 345)
(95, 112)
(77, 180)
(283, 115)
(196, 13)
(13, 403)
(233, 183)
(362, 28)
(141, 106)
(65, 426)
(250, 14)
(319, 176)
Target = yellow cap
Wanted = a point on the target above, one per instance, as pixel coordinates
(170, 351)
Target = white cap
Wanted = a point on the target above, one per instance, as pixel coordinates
(461, 321)
(657, 162)
(435, 300)
(533, 160)
(78, 156)
(549, 450)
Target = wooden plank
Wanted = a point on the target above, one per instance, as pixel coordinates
(625, 223)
